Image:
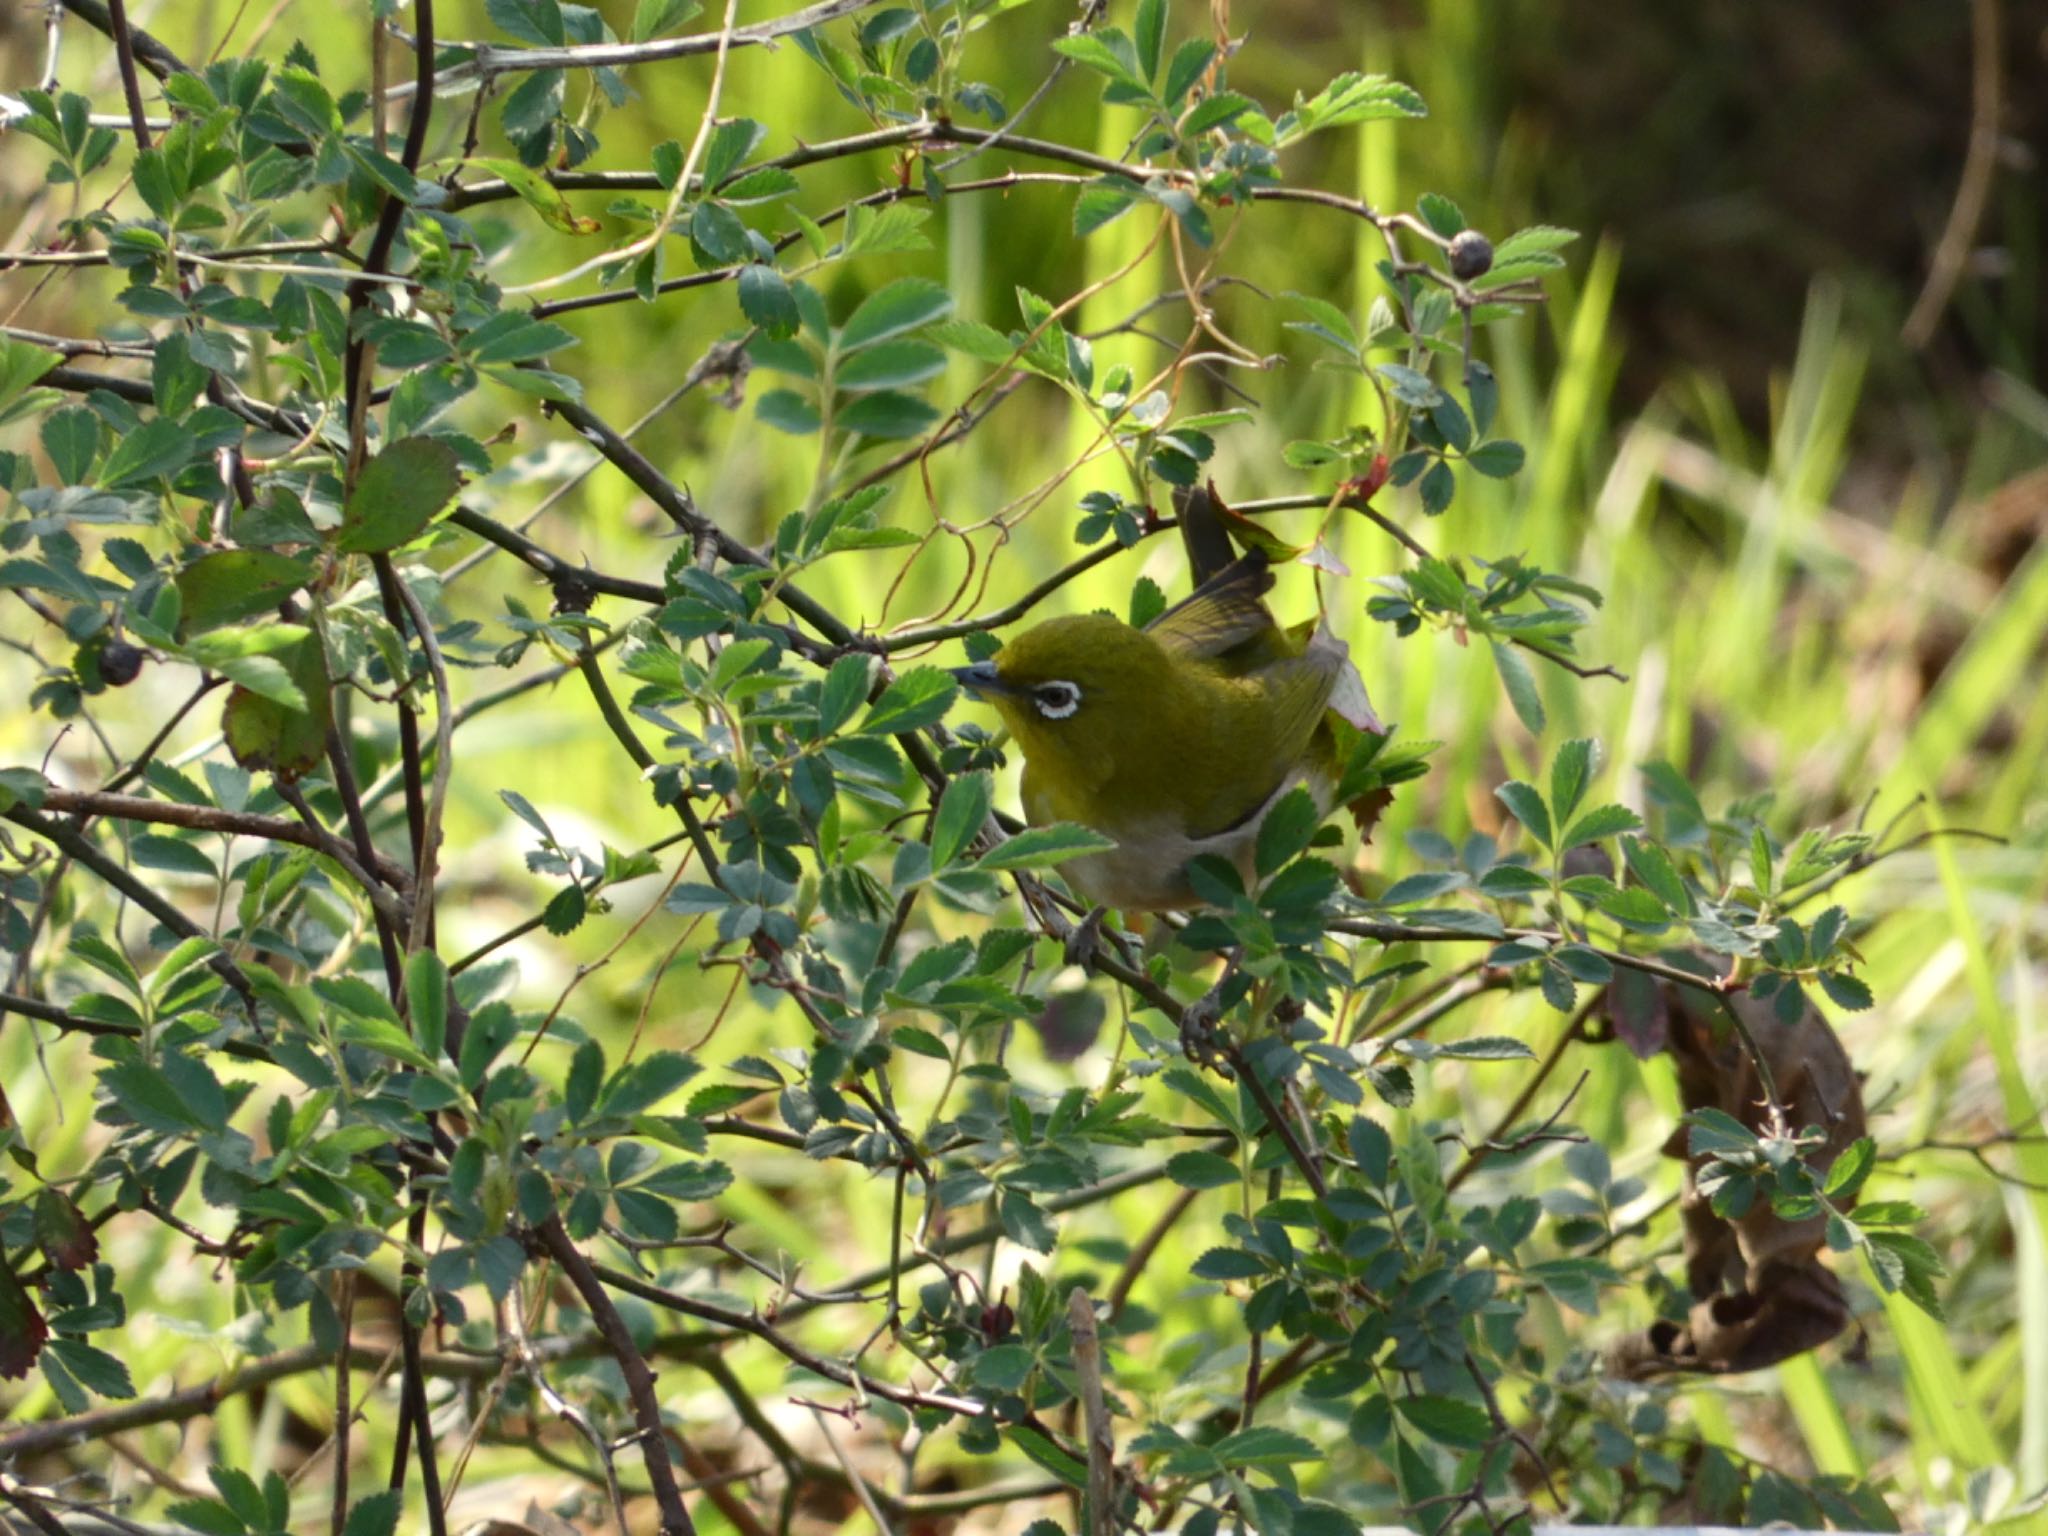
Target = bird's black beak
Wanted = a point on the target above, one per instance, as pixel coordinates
(980, 679)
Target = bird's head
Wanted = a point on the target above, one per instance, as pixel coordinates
(1073, 691)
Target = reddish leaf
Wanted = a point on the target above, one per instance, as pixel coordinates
(62, 1232)
(22, 1329)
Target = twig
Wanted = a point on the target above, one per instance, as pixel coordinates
(209, 818)
(131, 84)
(489, 60)
(552, 1239)
(142, 894)
(1973, 189)
(854, 1480)
(1100, 1438)
(147, 51)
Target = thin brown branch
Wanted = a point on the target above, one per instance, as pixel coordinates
(209, 818)
(1973, 188)
(552, 1239)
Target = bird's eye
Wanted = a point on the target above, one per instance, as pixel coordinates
(1056, 700)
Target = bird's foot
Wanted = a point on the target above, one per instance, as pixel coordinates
(1083, 941)
(1198, 1027)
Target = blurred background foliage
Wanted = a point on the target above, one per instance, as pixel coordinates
(1820, 548)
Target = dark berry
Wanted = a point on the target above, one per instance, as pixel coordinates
(121, 663)
(1471, 255)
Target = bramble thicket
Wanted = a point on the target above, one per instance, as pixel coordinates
(525, 999)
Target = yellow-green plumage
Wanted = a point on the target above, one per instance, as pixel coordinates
(1180, 736)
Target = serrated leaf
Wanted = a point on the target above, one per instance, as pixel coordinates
(398, 494)
(963, 808)
(1569, 775)
(1527, 807)
(766, 300)
(1286, 831)
(1448, 1421)
(1044, 847)
(918, 698)
(1601, 821)
(901, 306)
(1521, 687)
(1202, 1170)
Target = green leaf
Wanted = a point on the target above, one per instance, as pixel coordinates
(651, 18)
(22, 786)
(176, 380)
(542, 196)
(901, 306)
(1286, 831)
(1264, 1445)
(1716, 1132)
(1760, 859)
(1485, 1048)
(1151, 36)
(1569, 775)
(887, 414)
(1004, 1368)
(398, 494)
(1652, 865)
(1448, 1421)
(426, 992)
(1526, 806)
(239, 1492)
(21, 364)
(1601, 821)
(1533, 241)
(1101, 202)
(178, 1095)
(1510, 880)
(1521, 687)
(1190, 61)
(891, 365)
(1846, 991)
(1440, 213)
(766, 300)
(1850, 1168)
(71, 437)
(1106, 51)
(963, 808)
(1228, 1264)
(642, 1084)
(228, 585)
(845, 685)
(153, 450)
(1202, 1170)
(983, 343)
(153, 850)
(277, 716)
(93, 1368)
(1044, 847)
(918, 698)
(377, 1514)
(1583, 964)
(787, 411)
(1325, 321)
(1497, 460)
(207, 1515)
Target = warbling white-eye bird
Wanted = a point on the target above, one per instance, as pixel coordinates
(1178, 738)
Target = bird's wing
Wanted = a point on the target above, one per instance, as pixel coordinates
(1224, 611)
(1286, 705)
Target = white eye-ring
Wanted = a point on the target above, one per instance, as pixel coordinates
(1056, 700)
